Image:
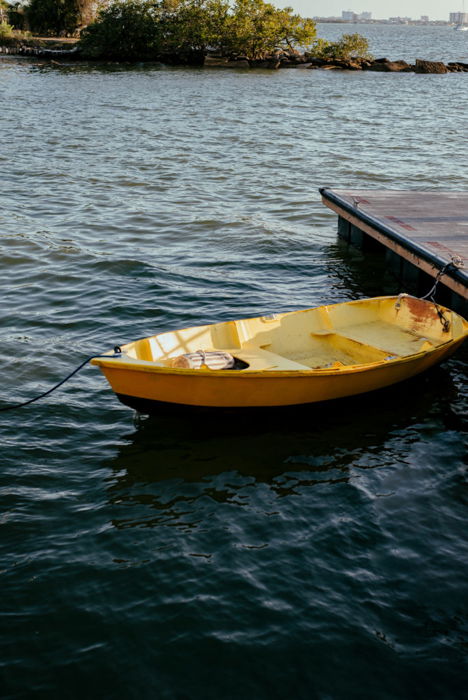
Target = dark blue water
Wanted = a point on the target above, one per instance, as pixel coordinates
(319, 553)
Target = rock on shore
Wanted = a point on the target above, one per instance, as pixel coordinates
(279, 59)
(384, 65)
(430, 67)
(294, 59)
(40, 52)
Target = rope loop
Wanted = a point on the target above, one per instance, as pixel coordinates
(455, 261)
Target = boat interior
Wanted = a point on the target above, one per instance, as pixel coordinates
(333, 337)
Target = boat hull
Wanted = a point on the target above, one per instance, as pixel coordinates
(231, 389)
(290, 359)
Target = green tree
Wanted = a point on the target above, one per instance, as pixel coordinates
(256, 29)
(6, 31)
(3, 11)
(195, 25)
(352, 46)
(53, 16)
(127, 30)
(148, 29)
(60, 16)
(15, 14)
(347, 47)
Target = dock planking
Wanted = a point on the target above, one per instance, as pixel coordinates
(423, 230)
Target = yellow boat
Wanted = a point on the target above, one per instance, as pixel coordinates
(286, 359)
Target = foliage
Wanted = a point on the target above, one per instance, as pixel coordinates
(144, 29)
(126, 30)
(9, 27)
(6, 31)
(347, 47)
(256, 29)
(13, 13)
(148, 29)
(87, 10)
(194, 25)
(59, 17)
(53, 17)
(353, 46)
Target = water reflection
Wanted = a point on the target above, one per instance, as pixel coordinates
(359, 274)
(174, 468)
(84, 67)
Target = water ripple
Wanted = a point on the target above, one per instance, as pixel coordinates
(306, 554)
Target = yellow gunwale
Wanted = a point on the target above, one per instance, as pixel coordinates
(149, 366)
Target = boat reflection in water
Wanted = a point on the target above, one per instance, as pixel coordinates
(174, 466)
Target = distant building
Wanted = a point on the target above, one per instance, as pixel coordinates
(458, 17)
(351, 16)
(424, 18)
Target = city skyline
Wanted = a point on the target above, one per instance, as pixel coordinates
(379, 9)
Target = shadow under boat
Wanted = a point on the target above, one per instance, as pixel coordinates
(191, 443)
(171, 461)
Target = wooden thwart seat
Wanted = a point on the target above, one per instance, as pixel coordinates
(388, 338)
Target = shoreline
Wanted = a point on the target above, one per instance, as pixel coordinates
(58, 49)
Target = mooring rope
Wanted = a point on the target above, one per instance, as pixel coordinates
(455, 261)
(117, 353)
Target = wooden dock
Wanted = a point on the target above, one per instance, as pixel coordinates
(420, 232)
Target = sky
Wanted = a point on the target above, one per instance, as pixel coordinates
(381, 9)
